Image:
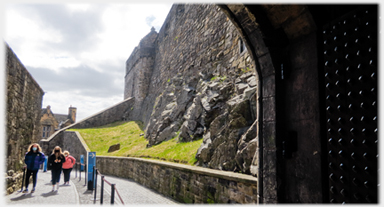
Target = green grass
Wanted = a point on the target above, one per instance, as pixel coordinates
(214, 78)
(133, 145)
(221, 79)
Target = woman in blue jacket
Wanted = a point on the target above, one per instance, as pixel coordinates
(33, 159)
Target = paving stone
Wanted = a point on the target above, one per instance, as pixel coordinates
(77, 193)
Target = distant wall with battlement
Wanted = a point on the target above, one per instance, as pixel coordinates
(73, 142)
(118, 112)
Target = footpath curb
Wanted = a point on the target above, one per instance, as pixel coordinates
(86, 196)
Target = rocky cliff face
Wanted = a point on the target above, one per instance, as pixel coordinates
(220, 110)
(201, 85)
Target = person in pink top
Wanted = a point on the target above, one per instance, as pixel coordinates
(67, 166)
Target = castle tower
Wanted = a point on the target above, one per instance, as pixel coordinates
(139, 67)
(72, 114)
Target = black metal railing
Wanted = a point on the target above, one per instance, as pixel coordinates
(78, 169)
(113, 188)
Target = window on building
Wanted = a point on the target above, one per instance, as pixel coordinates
(46, 130)
(242, 47)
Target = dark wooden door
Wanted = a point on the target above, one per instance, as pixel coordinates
(350, 71)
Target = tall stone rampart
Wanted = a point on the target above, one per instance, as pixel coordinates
(23, 107)
(195, 38)
(139, 69)
(196, 80)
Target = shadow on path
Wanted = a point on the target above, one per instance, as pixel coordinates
(52, 193)
(88, 192)
(22, 197)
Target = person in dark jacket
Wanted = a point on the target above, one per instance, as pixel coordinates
(33, 159)
(56, 160)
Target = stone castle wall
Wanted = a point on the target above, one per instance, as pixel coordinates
(117, 112)
(73, 142)
(67, 140)
(139, 67)
(75, 145)
(185, 184)
(193, 39)
(193, 80)
(23, 108)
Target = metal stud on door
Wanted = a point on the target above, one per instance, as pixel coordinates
(350, 71)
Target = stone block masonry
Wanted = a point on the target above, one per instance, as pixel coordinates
(184, 183)
(67, 140)
(23, 107)
(194, 79)
(194, 39)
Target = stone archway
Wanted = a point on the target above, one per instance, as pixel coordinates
(285, 41)
(267, 31)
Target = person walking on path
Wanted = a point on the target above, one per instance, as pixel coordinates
(56, 160)
(67, 166)
(33, 159)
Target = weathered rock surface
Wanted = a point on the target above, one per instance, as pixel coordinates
(212, 110)
(13, 181)
(193, 84)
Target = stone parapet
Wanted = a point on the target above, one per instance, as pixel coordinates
(73, 142)
(184, 183)
(67, 140)
(118, 112)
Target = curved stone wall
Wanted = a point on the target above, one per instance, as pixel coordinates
(185, 184)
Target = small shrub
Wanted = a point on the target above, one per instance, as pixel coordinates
(223, 79)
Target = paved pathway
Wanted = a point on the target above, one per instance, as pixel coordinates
(77, 193)
(44, 194)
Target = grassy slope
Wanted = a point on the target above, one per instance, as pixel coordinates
(133, 145)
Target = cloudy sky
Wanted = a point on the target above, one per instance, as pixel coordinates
(77, 52)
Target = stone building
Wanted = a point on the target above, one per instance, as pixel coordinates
(51, 122)
(314, 134)
(23, 107)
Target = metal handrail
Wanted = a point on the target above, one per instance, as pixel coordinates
(78, 168)
(113, 188)
(95, 173)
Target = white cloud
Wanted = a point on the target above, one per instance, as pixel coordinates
(77, 52)
(30, 36)
(18, 26)
(78, 7)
